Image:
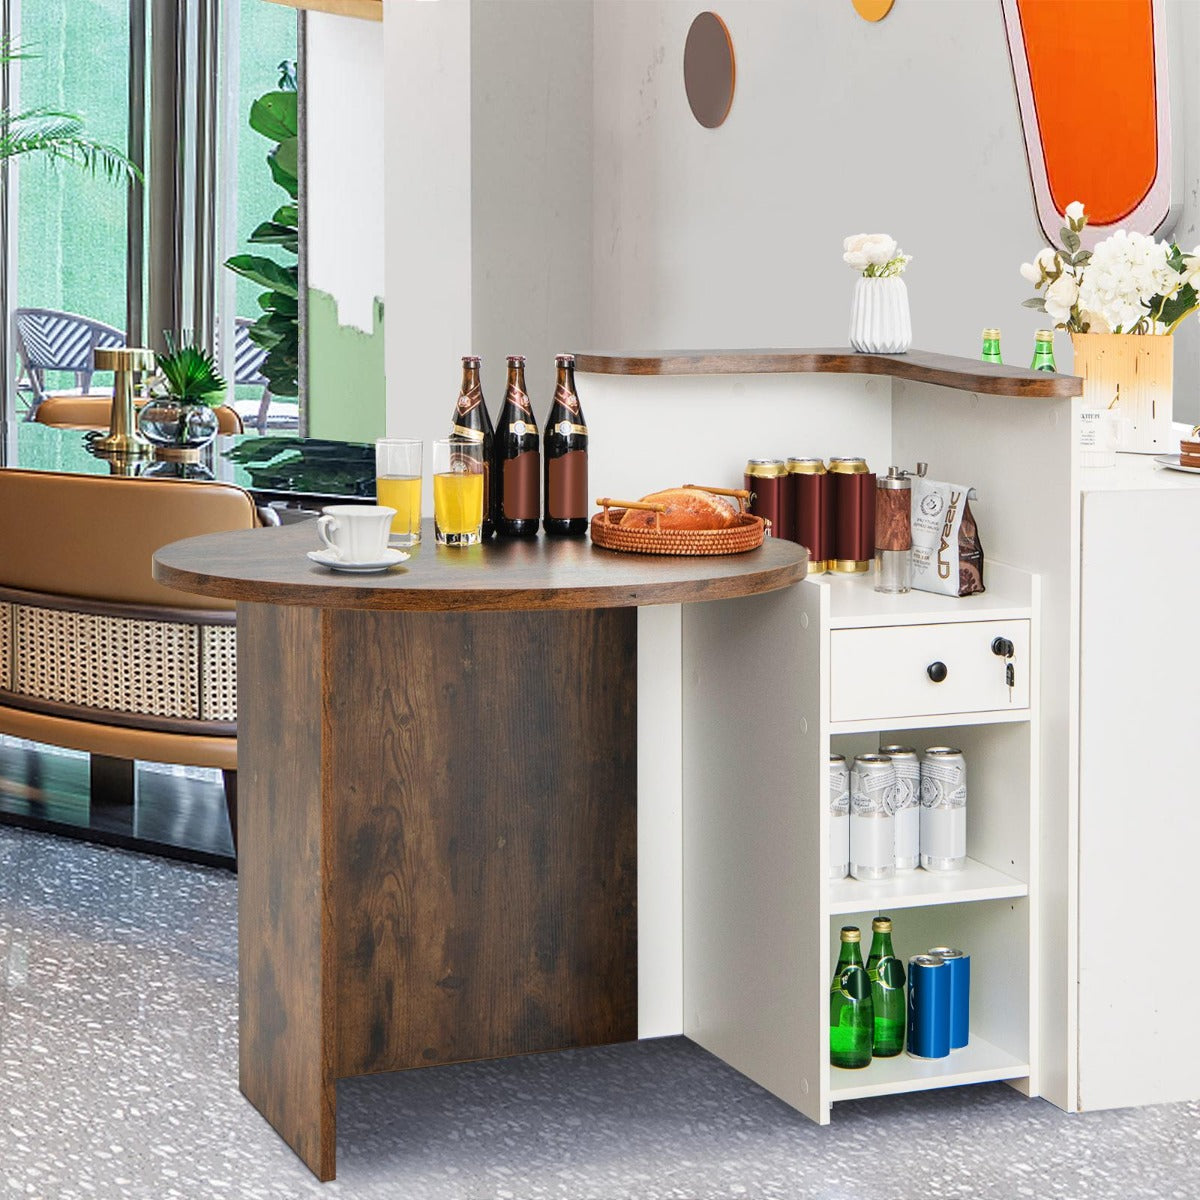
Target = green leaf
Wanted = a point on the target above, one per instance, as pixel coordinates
(191, 374)
(1178, 306)
(287, 157)
(276, 116)
(1070, 239)
(267, 272)
(1037, 302)
(270, 234)
(287, 214)
(286, 180)
(278, 302)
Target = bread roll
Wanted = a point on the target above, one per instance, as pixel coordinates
(687, 508)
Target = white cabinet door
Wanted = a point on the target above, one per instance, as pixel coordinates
(1139, 797)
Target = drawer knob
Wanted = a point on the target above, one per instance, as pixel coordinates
(937, 671)
(1002, 648)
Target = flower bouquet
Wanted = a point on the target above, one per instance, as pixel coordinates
(879, 318)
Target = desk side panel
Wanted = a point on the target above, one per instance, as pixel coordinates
(285, 1018)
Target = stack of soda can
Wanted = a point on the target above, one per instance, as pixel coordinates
(893, 811)
(939, 1002)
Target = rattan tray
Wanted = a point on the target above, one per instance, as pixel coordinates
(746, 534)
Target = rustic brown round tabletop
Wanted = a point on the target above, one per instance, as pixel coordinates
(270, 566)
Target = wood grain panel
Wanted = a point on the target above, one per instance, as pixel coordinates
(483, 773)
(269, 565)
(947, 370)
(286, 1016)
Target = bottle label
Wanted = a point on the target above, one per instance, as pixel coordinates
(567, 399)
(854, 984)
(888, 973)
(567, 496)
(463, 433)
(521, 400)
(566, 428)
(468, 401)
(520, 495)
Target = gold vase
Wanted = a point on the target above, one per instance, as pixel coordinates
(1130, 375)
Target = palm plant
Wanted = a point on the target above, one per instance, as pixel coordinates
(57, 136)
(189, 375)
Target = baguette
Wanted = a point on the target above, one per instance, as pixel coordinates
(686, 508)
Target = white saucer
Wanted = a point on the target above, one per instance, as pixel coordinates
(326, 558)
(1172, 463)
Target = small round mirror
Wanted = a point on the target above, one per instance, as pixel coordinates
(708, 69)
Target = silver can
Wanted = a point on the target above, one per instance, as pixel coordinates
(906, 805)
(872, 825)
(839, 817)
(943, 809)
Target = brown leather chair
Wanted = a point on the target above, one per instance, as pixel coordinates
(94, 654)
(92, 412)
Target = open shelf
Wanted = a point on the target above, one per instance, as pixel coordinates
(916, 889)
(855, 604)
(977, 1062)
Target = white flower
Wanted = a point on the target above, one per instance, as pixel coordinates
(1061, 296)
(1074, 211)
(1048, 260)
(1126, 271)
(864, 250)
(1031, 273)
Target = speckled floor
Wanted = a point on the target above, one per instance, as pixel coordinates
(118, 1079)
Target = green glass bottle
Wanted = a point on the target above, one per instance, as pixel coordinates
(991, 346)
(1043, 351)
(886, 973)
(851, 1014)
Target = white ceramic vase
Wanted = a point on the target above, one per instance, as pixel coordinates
(879, 317)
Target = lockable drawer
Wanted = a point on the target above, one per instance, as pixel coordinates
(926, 670)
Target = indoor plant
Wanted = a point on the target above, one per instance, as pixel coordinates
(188, 386)
(879, 318)
(1120, 302)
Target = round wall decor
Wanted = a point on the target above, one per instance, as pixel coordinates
(709, 70)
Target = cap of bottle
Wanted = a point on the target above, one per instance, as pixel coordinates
(1044, 335)
(471, 360)
(564, 360)
(851, 933)
(990, 334)
(516, 360)
(882, 925)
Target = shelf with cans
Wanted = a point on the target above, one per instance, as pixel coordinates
(921, 671)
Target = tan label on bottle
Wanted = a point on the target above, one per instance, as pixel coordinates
(566, 428)
(568, 486)
(469, 400)
(567, 399)
(519, 499)
(464, 434)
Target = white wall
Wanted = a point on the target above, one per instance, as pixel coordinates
(427, 95)
(531, 212)
(343, 82)
(732, 237)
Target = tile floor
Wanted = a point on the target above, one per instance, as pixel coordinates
(118, 1079)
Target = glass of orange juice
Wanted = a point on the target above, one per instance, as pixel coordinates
(457, 492)
(398, 486)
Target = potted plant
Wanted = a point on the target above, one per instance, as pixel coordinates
(184, 393)
(1120, 301)
(879, 318)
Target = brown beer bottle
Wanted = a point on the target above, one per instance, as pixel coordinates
(565, 455)
(471, 423)
(516, 460)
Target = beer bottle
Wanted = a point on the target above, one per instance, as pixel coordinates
(886, 973)
(517, 460)
(851, 1013)
(471, 423)
(566, 463)
(991, 346)
(1043, 351)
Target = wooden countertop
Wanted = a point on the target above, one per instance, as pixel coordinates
(269, 566)
(965, 374)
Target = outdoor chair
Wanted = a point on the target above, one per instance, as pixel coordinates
(248, 358)
(49, 340)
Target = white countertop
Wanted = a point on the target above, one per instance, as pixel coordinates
(1135, 472)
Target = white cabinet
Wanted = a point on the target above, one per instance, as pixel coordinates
(761, 919)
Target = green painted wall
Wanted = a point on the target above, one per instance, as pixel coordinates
(346, 399)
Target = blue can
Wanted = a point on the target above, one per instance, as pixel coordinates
(928, 1007)
(959, 966)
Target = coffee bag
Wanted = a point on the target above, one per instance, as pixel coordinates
(947, 556)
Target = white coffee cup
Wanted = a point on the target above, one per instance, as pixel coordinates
(356, 533)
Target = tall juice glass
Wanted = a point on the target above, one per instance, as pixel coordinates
(398, 486)
(457, 492)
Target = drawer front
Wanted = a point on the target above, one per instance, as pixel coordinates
(884, 673)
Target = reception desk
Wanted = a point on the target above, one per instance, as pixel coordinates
(438, 855)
